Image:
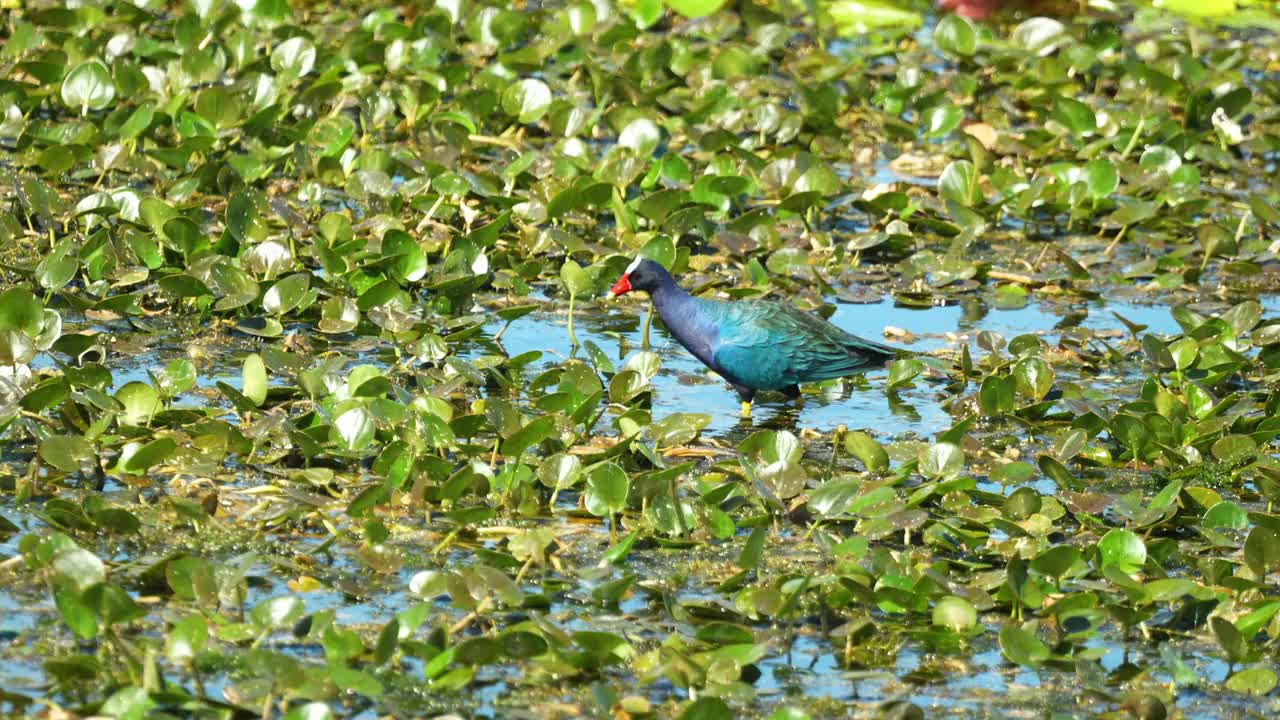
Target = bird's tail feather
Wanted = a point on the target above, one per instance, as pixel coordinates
(882, 353)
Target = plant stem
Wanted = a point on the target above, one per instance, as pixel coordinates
(446, 542)
(523, 569)
(675, 504)
(197, 680)
(1119, 236)
(498, 337)
(573, 338)
(1133, 139)
(648, 322)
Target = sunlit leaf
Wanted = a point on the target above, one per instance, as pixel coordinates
(88, 87)
(607, 488)
(1122, 549)
(527, 100)
(955, 35)
(858, 17)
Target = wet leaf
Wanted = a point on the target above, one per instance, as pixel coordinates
(21, 311)
(959, 182)
(139, 458)
(695, 8)
(902, 371)
(1022, 647)
(1255, 681)
(560, 471)
(940, 461)
(527, 100)
(338, 315)
(277, 612)
(869, 452)
(1158, 158)
(1262, 550)
(1122, 549)
(955, 35)
(254, 379)
(1013, 473)
(678, 428)
(575, 279)
(641, 135)
(77, 569)
(286, 294)
(1208, 8)
(1057, 561)
(1232, 642)
(140, 402)
(858, 17)
(294, 57)
(186, 639)
(941, 120)
(1101, 178)
(1226, 515)
(353, 429)
(772, 461)
(67, 453)
(130, 703)
(76, 614)
(707, 708)
(88, 87)
(955, 613)
(607, 489)
(1040, 35)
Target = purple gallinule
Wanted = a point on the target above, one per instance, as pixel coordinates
(754, 344)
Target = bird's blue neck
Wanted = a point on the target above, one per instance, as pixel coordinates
(670, 300)
(679, 312)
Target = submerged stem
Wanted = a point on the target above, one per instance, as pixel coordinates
(675, 504)
(498, 336)
(648, 323)
(573, 338)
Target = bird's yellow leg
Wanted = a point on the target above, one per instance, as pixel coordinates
(799, 401)
(746, 408)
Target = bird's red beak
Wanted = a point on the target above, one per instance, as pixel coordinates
(622, 287)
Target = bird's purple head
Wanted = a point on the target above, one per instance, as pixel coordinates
(623, 286)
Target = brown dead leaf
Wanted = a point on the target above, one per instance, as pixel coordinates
(897, 333)
(681, 452)
(101, 315)
(983, 133)
(1085, 502)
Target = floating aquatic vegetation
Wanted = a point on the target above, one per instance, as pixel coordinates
(311, 404)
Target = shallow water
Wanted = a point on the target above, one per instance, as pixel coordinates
(318, 535)
(810, 667)
(684, 385)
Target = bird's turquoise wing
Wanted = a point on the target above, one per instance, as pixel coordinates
(746, 350)
(772, 345)
(827, 351)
